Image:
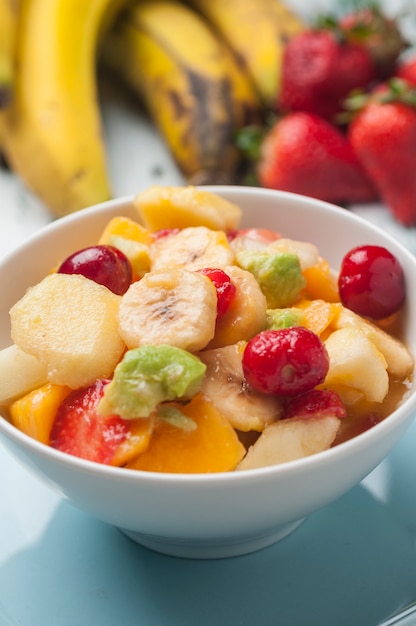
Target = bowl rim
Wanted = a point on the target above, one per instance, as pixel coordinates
(360, 442)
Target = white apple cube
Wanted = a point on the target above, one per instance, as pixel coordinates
(291, 439)
(70, 324)
(20, 373)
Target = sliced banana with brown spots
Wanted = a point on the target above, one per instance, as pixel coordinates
(169, 306)
(224, 384)
(192, 248)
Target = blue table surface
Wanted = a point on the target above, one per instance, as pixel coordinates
(352, 563)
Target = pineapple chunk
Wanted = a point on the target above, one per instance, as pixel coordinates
(400, 362)
(180, 207)
(70, 324)
(355, 362)
(19, 373)
(291, 439)
(132, 239)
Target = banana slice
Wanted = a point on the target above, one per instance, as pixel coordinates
(247, 314)
(225, 386)
(180, 207)
(169, 306)
(192, 248)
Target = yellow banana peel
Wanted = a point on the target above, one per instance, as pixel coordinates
(257, 32)
(189, 82)
(51, 133)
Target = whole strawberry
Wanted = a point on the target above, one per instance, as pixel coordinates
(383, 135)
(407, 70)
(305, 154)
(380, 34)
(320, 68)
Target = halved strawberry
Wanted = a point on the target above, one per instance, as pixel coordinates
(80, 431)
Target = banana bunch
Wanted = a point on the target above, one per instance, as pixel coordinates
(256, 30)
(8, 28)
(203, 69)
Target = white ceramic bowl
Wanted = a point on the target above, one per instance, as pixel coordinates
(214, 515)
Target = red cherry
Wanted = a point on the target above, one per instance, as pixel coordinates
(316, 403)
(224, 287)
(371, 282)
(285, 362)
(106, 265)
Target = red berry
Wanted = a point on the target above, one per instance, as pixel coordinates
(165, 232)
(224, 287)
(316, 403)
(285, 362)
(80, 431)
(254, 238)
(371, 282)
(106, 265)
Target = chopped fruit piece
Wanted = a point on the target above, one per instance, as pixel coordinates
(279, 275)
(400, 362)
(224, 287)
(283, 318)
(212, 446)
(355, 363)
(80, 431)
(165, 232)
(148, 376)
(291, 439)
(127, 229)
(35, 413)
(136, 441)
(246, 315)
(285, 362)
(106, 265)
(371, 282)
(318, 315)
(321, 282)
(169, 306)
(69, 323)
(132, 239)
(315, 403)
(21, 373)
(180, 207)
(251, 238)
(225, 386)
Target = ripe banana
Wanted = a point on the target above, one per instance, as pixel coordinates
(52, 131)
(191, 85)
(257, 31)
(8, 29)
(170, 306)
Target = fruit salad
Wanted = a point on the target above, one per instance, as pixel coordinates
(181, 342)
